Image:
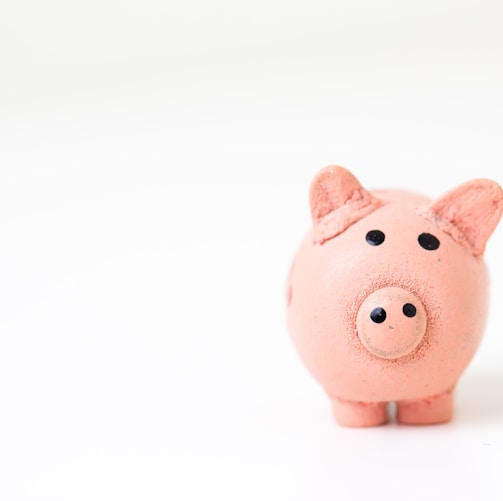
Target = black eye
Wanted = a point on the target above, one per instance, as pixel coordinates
(428, 241)
(375, 237)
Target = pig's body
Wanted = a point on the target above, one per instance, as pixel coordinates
(387, 321)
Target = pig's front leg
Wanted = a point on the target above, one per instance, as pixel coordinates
(359, 414)
(431, 410)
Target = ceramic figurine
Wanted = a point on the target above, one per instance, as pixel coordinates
(388, 294)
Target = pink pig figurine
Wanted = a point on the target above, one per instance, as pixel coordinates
(388, 293)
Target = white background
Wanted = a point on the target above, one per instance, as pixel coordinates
(155, 159)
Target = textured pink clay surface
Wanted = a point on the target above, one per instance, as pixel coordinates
(387, 295)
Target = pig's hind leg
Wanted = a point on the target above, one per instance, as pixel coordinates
(431, 410)
(359, 414)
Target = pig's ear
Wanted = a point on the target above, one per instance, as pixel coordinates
(337, 201)
(470, 213)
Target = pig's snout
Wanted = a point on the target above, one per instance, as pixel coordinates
(391, 322)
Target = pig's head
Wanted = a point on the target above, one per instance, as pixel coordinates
(388, 292)
(402, 266)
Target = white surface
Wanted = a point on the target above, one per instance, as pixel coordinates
(154, 165)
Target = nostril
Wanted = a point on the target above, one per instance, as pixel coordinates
(409, 310)
(378, 315)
